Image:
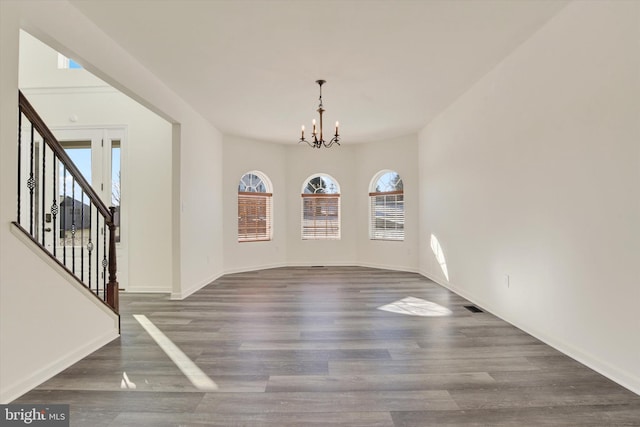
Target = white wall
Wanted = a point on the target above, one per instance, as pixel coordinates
(197, 146)
(194, 201)
(58, 95)
(201, 226)
(288, 167)
(534, 173)
(400, 155)
(241, 156)
(39, 335)
(340, 163)
(39, 68)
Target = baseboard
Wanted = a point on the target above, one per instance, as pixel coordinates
(191, 290)
(184, 293)
(388, 267)
(255, 268)
(16, 390)
(145, 290)
(323, 264)
(624, 378)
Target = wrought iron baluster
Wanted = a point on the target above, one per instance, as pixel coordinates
(44, 183)
(65, 210)
(82, 235)
(54, 205)
(89, 245)
(19, 161)
(97, 251)
(31, 182)
(104, 261)
(73, 224)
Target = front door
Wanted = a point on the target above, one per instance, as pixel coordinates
(97, 153)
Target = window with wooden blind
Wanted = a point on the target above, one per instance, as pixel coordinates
(320, 215)
(254, 208)
(386, 207)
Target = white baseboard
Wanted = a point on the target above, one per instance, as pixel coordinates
(624, 378)
(201, 284)
(184, 293)
(145, 290)
(255, 268)
(322, 264)
(16, 390)
(389, 267)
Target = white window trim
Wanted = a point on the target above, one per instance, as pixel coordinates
(336, 195)
(376, 233)
(269, 207)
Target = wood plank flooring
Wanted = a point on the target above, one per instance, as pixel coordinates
(309, 347)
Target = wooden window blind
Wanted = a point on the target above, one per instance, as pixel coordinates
(320, 216)
(254, 216)
(387, 215)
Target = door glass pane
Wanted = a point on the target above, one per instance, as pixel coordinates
(116, 184)
(75, 212)
(80, 154)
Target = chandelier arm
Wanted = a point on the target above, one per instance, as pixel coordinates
(308, 142)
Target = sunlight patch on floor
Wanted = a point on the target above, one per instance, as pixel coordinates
(199, 379)
(126, 383)
(413, 306)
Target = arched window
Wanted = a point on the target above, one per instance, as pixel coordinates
(320, 208)
(387, 207)
(254, 207)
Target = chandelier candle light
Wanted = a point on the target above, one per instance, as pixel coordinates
(320, 142)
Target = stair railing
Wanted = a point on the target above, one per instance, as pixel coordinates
(60, 211)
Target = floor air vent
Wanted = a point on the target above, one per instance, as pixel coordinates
(473, 309)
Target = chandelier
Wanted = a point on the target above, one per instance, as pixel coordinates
(318, 138)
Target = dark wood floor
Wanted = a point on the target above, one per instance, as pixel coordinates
(308, 347)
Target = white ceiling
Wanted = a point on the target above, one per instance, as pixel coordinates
(250, 66)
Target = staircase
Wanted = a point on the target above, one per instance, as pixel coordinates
(61, 213)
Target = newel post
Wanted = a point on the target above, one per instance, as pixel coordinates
(112, 285)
